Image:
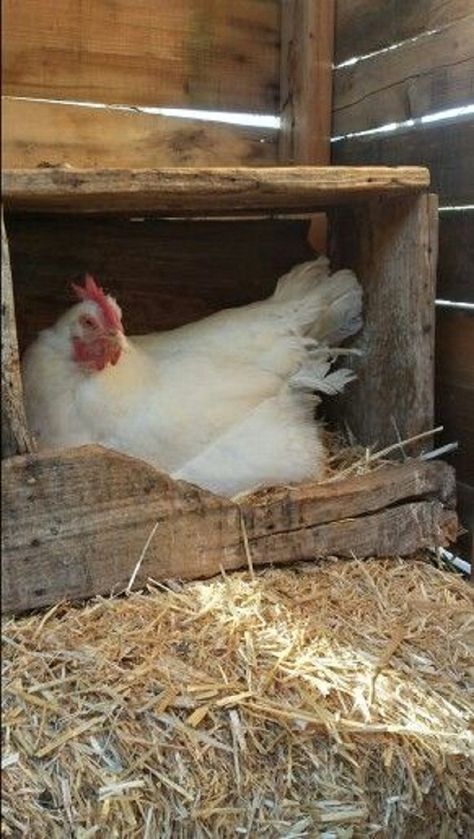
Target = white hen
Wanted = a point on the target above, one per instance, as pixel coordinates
(226, 403)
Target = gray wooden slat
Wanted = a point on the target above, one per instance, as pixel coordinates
(446, 148)
(363, 26)
(431, 74)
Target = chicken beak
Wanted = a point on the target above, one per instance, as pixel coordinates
(115, 346)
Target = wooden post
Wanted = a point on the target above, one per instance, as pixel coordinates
(15, 436)
(392, 246)
(307, 38)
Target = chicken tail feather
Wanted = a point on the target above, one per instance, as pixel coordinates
(326, 308)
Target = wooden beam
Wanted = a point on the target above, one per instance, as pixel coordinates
(15, 436)
(214, 192)
(307, 34)
(392, 246)
(446, 148)
(75, 523)
(45, 133)
(363, 26)
(420, 77)
(306, 57)
(181, 54)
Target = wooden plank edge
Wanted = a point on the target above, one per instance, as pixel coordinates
(75, 523)
(212, 190)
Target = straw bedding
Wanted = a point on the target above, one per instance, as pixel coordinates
(329, 700)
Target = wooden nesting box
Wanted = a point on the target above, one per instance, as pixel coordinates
(174, 239)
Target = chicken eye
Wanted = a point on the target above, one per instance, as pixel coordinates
(88, 322)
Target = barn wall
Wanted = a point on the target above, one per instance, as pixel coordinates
(126, 56)
(430, 70)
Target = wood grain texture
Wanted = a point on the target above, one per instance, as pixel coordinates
(307, 37)
(456, 256)
(204, 191)
(307, 44)
(363, 26)
(40, 133)
(392, 246)
(455, 385)
(188, 53)
(164, 273)
(351, 497)
(75, 524)
(15, 436)
(447, 149)
(430, 74)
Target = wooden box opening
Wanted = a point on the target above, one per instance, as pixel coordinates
(85, 516)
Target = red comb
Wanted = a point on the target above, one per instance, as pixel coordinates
(92, 291)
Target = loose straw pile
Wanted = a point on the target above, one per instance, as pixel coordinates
(329, 700)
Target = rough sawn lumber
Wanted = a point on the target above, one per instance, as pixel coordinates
(183, 54)
(75, 523)
(15, 436)
(392, 247)
(181, 192)
(38, 133)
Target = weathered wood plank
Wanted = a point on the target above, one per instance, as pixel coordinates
(164, 273)
(430, 74)
(363, 26)
(40, 133)
(447, 149)
(210, 191)
(456, 256)
(189, 53)
(15, 436)
(75, 524)
(387, 533)
(455, 385)
(307, 44)
(307, 36)
(392, 246)
(320, 503)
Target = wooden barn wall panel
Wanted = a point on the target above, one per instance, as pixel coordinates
(430, 74)
(446, 148)
(364, 26)
(39, 133)
(188, 53)
(456, 256)
(164, 273)
(455, 385)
